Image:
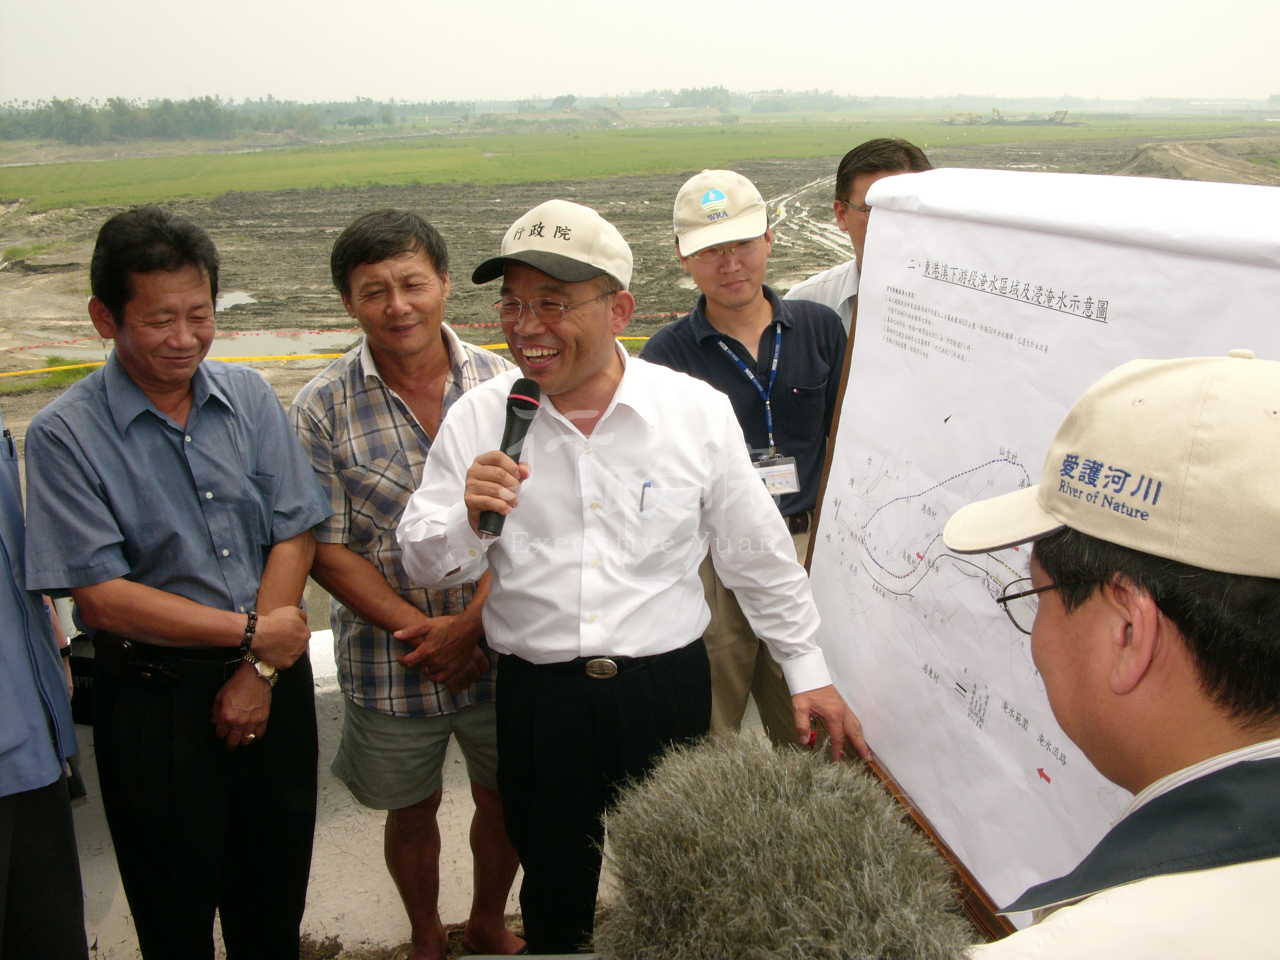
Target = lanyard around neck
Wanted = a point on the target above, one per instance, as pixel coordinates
(755, 381)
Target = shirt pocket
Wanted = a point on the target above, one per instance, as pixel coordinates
(661, 534)
(379, 491)
(806, 410)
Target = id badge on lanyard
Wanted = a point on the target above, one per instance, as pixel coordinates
(779, 474)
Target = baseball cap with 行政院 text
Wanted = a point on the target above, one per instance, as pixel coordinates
(1175, 458)
(564, 240)
(717, 206)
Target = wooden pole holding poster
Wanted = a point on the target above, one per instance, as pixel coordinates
(989, 302)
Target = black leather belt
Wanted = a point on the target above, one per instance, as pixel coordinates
(799, 522)
(121, 657)
(602, 668)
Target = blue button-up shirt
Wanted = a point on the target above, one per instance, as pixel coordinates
(36, 732)
(115, 488)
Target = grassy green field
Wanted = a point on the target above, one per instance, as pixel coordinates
(524, 158)
(53, 381)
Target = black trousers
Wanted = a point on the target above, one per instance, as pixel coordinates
(41, 899)
(197, 827)
(566, 742)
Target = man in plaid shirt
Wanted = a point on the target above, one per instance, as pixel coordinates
(411, 661)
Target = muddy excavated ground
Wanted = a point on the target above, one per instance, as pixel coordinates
(275, 247)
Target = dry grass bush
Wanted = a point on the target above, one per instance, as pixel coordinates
(732, 850)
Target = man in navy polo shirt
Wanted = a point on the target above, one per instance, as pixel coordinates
(779, 363)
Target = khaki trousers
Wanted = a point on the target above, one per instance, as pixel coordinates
(741, 665)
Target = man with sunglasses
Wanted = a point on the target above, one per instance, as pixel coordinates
(1154, 613)
(859, 169)
(779, 364)
(595, 606)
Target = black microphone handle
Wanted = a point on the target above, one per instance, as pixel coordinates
(513, 435)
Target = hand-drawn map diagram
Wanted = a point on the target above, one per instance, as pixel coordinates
(973, 340)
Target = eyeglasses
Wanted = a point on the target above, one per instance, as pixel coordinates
(848, 203)
(1021, 602)
(511, 309)
(737, 250)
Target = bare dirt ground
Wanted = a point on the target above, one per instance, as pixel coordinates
(1236, 160)
(275, 246)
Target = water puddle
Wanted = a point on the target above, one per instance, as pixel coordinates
(234, 298)
(280, 343)
(229, 345)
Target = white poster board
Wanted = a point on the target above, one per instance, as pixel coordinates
(990, 300)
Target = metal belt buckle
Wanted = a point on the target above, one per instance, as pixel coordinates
(601, 668)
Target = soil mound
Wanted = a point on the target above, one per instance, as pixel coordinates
(1254, 160)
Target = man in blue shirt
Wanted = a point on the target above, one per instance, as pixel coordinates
(779, 362)
(41, 904)
(172, 500)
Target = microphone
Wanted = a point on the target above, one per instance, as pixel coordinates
(522, 404)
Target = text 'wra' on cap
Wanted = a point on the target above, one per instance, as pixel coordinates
(564, 240)
(717, 206)
(1179, 459)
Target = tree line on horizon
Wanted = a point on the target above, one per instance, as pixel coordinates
(209, 118)
(212, 118)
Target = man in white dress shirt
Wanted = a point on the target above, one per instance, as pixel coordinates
(862, 166)
(1154, 612)
(628, 473)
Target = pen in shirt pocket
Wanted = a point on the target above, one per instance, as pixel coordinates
(647, 485)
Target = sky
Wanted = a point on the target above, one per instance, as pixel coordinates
(502, 49)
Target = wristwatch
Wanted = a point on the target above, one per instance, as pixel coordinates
(265, 670)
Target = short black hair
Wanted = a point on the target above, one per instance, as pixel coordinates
(1230, 623)
(607, 285)
(381, 235)
(876, 156)
(144, 240)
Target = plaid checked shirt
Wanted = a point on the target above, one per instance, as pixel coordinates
(367, 449)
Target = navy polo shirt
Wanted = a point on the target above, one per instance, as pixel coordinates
(804, 394)
(115, 488)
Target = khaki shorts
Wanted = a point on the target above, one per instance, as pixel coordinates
(389, 763)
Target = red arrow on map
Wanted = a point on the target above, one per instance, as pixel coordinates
(1040, 770)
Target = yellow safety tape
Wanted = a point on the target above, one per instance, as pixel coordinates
(281, 359)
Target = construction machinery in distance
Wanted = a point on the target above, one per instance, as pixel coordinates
(999, 119)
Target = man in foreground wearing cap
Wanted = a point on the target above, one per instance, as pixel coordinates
(859, 169)
(1154, 613)
(595, 605)
(779, 364)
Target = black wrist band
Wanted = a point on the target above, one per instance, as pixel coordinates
(65, 651)
(250, 627)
